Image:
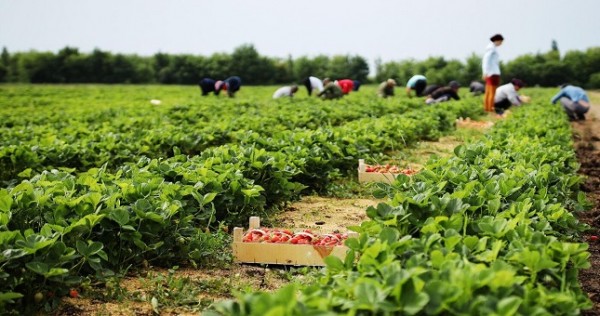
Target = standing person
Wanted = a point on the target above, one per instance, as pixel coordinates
(417, 83)
(330, 90)
(386, 88)
(312, 83)
(574, 101)
(207, 85)
(476, 88)
(444, 94)
(347, 85)
(231, 85)
(507, 95)
(287, 91)
(490, 65)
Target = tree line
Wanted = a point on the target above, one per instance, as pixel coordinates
(69, 65)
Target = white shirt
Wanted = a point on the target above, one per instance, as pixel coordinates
(507, 91)
(490, 64)
(316, 83)
(283, 92)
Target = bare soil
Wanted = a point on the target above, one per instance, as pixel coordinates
(587, 145)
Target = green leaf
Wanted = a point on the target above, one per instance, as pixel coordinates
(33, 243)
(508, 306)
(413, 300)
(9, 296)
(389, 235)
(5, 201)
(208, 197)
(25, 173)
(56, 272)
(494, 205)
(334, 263)
(82, 248)
(38, 267)
(94, 247)
(120, 216)
(11, 254)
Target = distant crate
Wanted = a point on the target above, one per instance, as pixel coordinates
(364, 176)
(282, 253)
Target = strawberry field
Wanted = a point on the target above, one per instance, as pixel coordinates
(98, 182)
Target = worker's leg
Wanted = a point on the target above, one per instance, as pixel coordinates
(491, 83)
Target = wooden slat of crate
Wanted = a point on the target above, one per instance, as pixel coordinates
(364, 176)
(286, 254)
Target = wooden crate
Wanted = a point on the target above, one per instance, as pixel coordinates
(364, 176)
(285, 254)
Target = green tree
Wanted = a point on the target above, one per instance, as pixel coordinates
(594, 81)
(554, 46)
(339, 67)
(303, 68)
(72, 66)
(100, 66)
(359, 68)
(592, 64)
(219, 66)
(41, 67)
(525, 67)
(576, 63)
(250, 66)
(4, 65)
(472, 69)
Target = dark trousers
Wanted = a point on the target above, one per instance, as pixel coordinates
(308, 86)
(502, 106)
(420, 86)
(207, 87)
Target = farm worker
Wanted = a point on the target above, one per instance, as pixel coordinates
(476, 88)
(507, 96)
(356, 85)
(386, 88)
(490, 65)
(312, 83)
(287, 91)
(444, 94)
(429, 89)
(347, 85)
(231, 85)
(417, 83)
(330, 90)
(207, 85)
(574, 101)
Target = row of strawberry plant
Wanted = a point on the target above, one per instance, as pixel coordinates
(58, 227)
(489, 231)
(62, 134)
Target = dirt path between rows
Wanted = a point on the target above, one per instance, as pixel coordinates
(587, 145)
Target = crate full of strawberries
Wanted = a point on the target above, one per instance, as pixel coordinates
(381, 173)
(285, 246)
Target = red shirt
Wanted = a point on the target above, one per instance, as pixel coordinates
(346, 84)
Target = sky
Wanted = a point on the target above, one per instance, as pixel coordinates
(376, 29)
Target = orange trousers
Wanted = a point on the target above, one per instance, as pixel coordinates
(491, 84)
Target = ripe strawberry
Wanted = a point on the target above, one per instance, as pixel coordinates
(73, 293)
